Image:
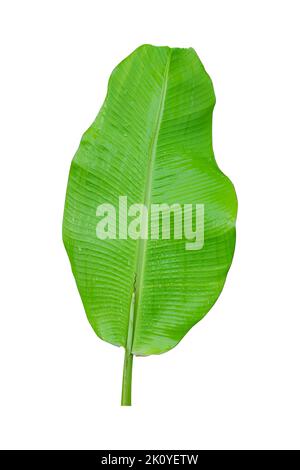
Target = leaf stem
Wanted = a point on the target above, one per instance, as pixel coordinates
(127, 368)
(127, 376)
(142, 247)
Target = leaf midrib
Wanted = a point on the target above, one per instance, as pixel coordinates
(142, 243)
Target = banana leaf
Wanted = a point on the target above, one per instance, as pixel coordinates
(150, 144)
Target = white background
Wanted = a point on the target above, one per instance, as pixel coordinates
(233, 382)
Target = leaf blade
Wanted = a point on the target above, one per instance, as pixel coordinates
(166, 120)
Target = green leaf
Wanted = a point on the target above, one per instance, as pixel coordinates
(151, 142)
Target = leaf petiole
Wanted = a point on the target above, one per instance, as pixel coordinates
(127, 376)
